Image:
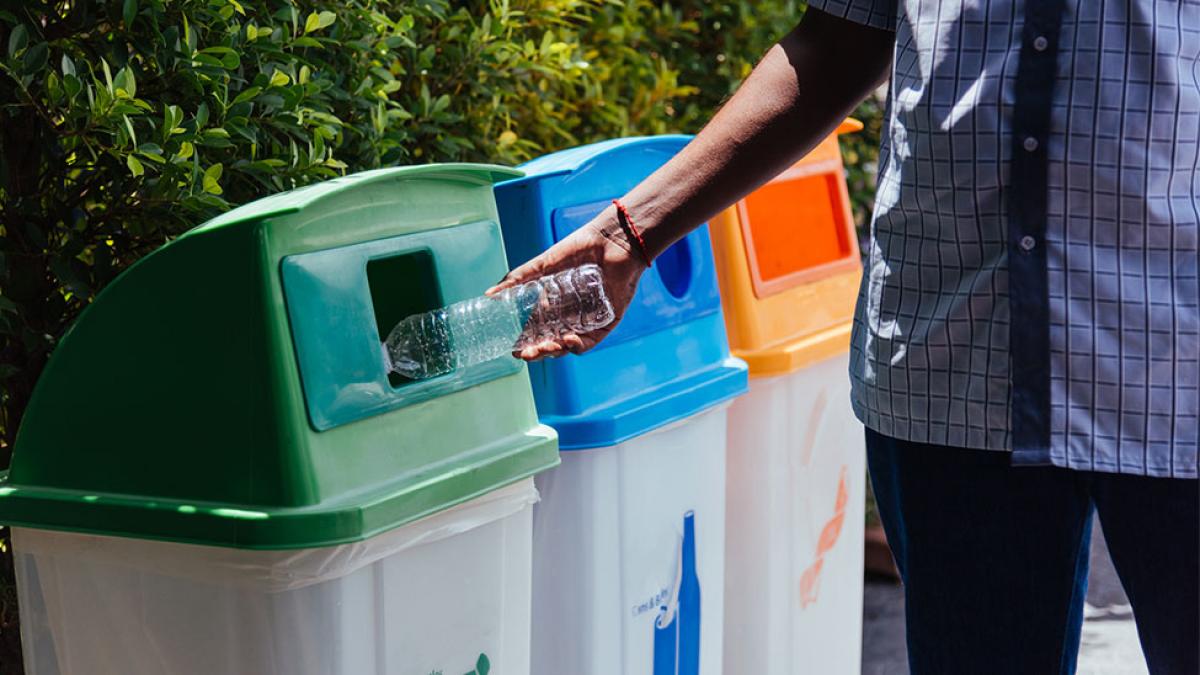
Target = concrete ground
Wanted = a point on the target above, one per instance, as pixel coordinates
(1109, 645)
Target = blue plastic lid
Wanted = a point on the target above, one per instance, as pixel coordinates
(669, 358)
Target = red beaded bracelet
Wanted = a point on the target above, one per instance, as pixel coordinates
(627, 223)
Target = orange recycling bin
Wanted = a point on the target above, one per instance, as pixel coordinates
(789, 269)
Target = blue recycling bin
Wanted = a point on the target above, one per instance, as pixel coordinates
(629, 535)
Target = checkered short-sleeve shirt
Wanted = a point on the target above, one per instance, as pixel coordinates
(1031, 281)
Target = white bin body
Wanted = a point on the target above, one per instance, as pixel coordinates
(426, 598)
(794, 548)
(608, 534)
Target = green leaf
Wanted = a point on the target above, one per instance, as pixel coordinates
(227, 57)
(239, 112)
(125, 82)
(483, 666)
(152, 152)
(237, 6)
(326, 19)
(17, 40)
(36, 58)
(325, 117)
(245, 132)
(313, 22)
(129, 127)
(305, 73)
(216, 142)
(266, 165)
(208, 60)
(135, 166)
(189, 37)
(279, 79)
(246, 94)
(212, 176)
(54, 88)
(172, 116)
(129, 13)
(216, 137)
(318, 147)
(201, 115)
(305, 42)
(72, 85)
(108, 80)
(185, 150)
(251, 32)
(125, 106)
(68, 66)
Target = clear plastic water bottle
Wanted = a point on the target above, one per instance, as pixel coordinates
(485, 328)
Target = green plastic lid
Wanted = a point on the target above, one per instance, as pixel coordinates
(229, 389)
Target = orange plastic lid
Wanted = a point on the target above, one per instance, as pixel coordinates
(788, 264)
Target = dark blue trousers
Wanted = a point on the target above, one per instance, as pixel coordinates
(994, 558)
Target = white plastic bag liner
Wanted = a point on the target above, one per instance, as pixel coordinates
(610, 578)
(794, 547)
(447, 593)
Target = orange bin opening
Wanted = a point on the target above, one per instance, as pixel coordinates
(787, 260)
(796, 225)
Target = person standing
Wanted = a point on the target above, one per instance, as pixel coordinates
(1026, 348)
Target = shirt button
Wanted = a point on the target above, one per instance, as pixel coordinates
(1028, 243)
(1040, 43)
(1030, 144)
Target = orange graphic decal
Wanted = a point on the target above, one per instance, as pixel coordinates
(810, 580)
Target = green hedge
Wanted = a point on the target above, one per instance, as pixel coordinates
(124, 122)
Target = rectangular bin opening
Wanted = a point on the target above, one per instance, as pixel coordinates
(794, 230)
(402, 285)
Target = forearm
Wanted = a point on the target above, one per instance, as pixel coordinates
(798, 94)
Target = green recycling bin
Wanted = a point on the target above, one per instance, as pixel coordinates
(217, 474)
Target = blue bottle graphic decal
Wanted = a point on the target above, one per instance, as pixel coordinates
(677, 628)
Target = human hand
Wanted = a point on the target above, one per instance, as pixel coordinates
(603, 242)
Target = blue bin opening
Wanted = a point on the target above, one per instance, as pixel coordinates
(674, 267)
(668, 358)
